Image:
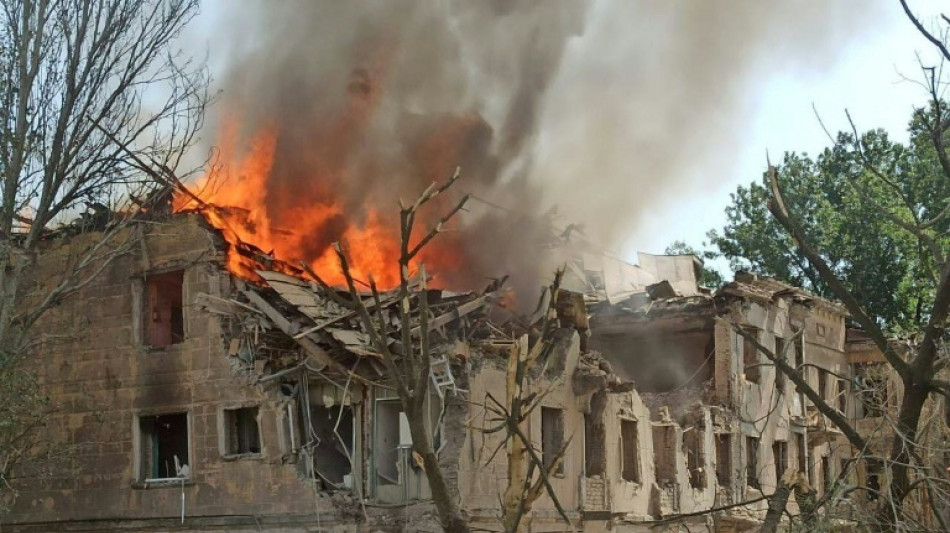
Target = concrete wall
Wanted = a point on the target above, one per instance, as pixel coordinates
(482, 479)
(101, 377)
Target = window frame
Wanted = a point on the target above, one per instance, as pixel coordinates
(723, 446)
(145, 313)
(557, 440)
(779, 459)
(224, 431)
(751, 358)
(637, 471)
(139, 468)
(752, 445)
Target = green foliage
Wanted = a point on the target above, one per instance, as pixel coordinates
(839, 200)
(710, 277)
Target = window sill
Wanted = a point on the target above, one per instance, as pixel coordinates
(163, 483)
(243, 456)
(163, 349)
(633, 484)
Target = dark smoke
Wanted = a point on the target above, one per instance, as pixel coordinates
(602, 110)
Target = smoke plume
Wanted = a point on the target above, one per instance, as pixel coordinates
(599, 110)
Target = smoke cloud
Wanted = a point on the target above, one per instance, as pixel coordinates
(602, 111)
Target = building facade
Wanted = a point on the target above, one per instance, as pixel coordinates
(189, 399)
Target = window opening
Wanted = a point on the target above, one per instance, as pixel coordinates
(552, 437)
(826, 472)
(750, 356)
(331, 454)
(242, 431)
(164, 446)
(752, 462)
(630, 451)
(780, 456)
(393, 441)
(695, 458)
(723, 459)
(164, 318)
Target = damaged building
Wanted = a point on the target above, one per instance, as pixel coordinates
(190, 399)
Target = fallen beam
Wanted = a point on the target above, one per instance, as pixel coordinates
(284, 324)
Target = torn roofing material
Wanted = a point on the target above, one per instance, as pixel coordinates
(328, 330)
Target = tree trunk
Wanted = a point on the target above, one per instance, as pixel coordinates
(512, 500)
(513, 504)
(443, 498)
(807, 499)
(905, 438)
(777, 503)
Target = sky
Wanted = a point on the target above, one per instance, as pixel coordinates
(869, 79)
(859, 61)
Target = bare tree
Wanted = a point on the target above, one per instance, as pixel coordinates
(407, 359)
(918, 370)
(89, 90)
(528, 473)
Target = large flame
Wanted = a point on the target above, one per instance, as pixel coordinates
(299, 222)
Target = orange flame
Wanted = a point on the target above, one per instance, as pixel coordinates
(234, 198)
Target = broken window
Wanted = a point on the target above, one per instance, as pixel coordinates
(630, 451)
(752, 462)
(823, 384)
(392, 441)
(595, 453)
(723, 459)
(826, 473)
(802, 455)
(552, 437)
(242, 434)
(333, 437)
(164, 447)
(780, 456)
(750, 356)
(164, 319)
(695, 458)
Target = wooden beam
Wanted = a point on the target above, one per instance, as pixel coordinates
(284, 324)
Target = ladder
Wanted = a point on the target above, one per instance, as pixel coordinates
(441, 372)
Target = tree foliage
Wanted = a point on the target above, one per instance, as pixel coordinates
(839, 199)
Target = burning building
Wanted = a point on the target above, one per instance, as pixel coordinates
(200, 384)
